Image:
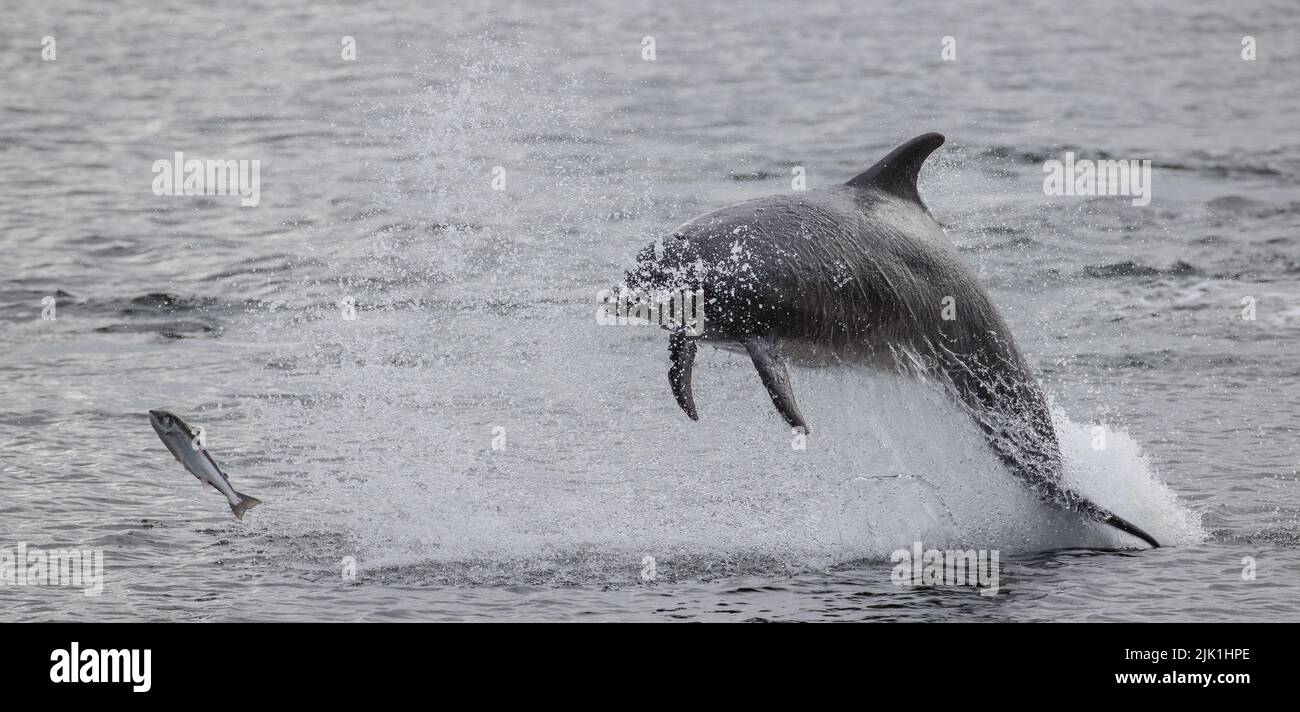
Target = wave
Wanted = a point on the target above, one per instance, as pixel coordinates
(1263, 164)
(1134, 269)
(1236, 205)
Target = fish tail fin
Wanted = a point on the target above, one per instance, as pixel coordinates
(245, 503)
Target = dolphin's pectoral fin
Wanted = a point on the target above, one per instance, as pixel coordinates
(681, 349)
(775, 378)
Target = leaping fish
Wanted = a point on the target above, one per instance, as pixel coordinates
(182, 441)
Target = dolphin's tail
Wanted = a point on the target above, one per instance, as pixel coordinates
(1049, 488)
(1044, 480)
(1092, 510)
(1038, 464)
(245, 503)
(1014, 416)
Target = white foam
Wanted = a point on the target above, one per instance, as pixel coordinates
(611, 470)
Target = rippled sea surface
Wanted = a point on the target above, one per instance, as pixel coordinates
(484, 451)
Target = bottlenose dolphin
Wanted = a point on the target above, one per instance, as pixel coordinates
(860, 273)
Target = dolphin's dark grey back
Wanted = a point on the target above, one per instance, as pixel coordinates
(874, 272)
(975, 351)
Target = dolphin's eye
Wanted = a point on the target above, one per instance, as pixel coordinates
(679, 236)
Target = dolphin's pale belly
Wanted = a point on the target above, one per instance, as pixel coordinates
(866, 353)
(805, 352)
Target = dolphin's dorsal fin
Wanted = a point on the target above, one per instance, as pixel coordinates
(896, 173)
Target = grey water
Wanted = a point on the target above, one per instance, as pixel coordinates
(473, 446)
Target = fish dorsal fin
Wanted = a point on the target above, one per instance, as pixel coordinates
(896, 173)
